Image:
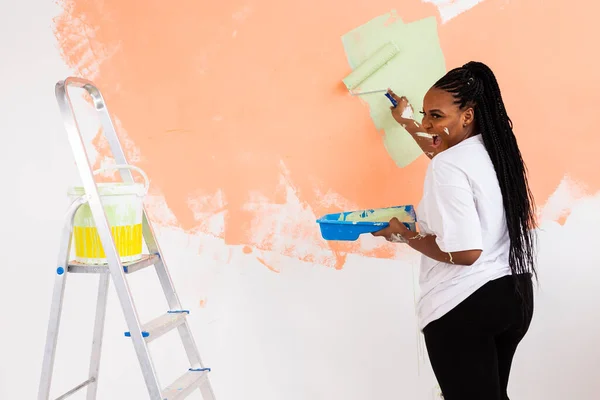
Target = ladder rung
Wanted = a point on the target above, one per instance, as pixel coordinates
(185, 385)
(76, 388)
(161, 325)
(128, 268)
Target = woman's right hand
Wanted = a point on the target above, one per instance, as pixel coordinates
(403, 113)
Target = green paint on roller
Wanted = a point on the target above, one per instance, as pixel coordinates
(368, 67)
(410, 72)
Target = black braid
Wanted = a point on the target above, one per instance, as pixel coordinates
(474, 85)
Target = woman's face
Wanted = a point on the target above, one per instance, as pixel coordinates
(444, 120)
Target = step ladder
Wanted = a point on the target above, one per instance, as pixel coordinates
(196, 376)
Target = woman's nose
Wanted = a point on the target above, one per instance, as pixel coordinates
(426, 123)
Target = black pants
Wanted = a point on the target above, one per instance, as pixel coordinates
(471, 348)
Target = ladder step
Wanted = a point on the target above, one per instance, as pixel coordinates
(186, 384)
(161, 325)
(76, 388)
(128, 268)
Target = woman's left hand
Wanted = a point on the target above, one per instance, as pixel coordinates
(394, 228)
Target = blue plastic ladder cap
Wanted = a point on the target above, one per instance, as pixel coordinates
(178, 311)
(60, 270)
(144, 334)
(125, 269)
(199, 369)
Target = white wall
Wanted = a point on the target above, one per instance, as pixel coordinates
(306, 333)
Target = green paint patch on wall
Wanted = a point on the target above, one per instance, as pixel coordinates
(419, 63)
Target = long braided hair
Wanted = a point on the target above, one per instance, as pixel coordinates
(474, 85)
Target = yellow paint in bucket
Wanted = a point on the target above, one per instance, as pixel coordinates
(122, 204)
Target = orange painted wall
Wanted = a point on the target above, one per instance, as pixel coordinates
(243, 99)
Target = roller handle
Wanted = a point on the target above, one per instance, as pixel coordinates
(394, 102)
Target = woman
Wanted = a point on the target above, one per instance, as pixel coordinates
(476, 221)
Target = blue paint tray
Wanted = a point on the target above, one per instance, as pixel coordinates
(350, 225)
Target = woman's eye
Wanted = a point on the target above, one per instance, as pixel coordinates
(434, 116)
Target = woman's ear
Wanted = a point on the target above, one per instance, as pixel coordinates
(468, 116)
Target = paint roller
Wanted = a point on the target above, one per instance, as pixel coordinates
(368, 67)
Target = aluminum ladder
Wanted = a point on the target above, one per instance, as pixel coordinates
(196, 376)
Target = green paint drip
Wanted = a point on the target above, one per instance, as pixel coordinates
(410, 73)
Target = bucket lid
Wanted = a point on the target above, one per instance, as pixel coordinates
(112, 189)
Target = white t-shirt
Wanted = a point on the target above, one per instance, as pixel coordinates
(462, 206)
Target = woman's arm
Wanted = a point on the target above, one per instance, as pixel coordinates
(405, 119)
(428, 246)
(425, 143)
(396, 231)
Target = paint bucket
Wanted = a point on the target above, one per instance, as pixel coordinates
(122, 204)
